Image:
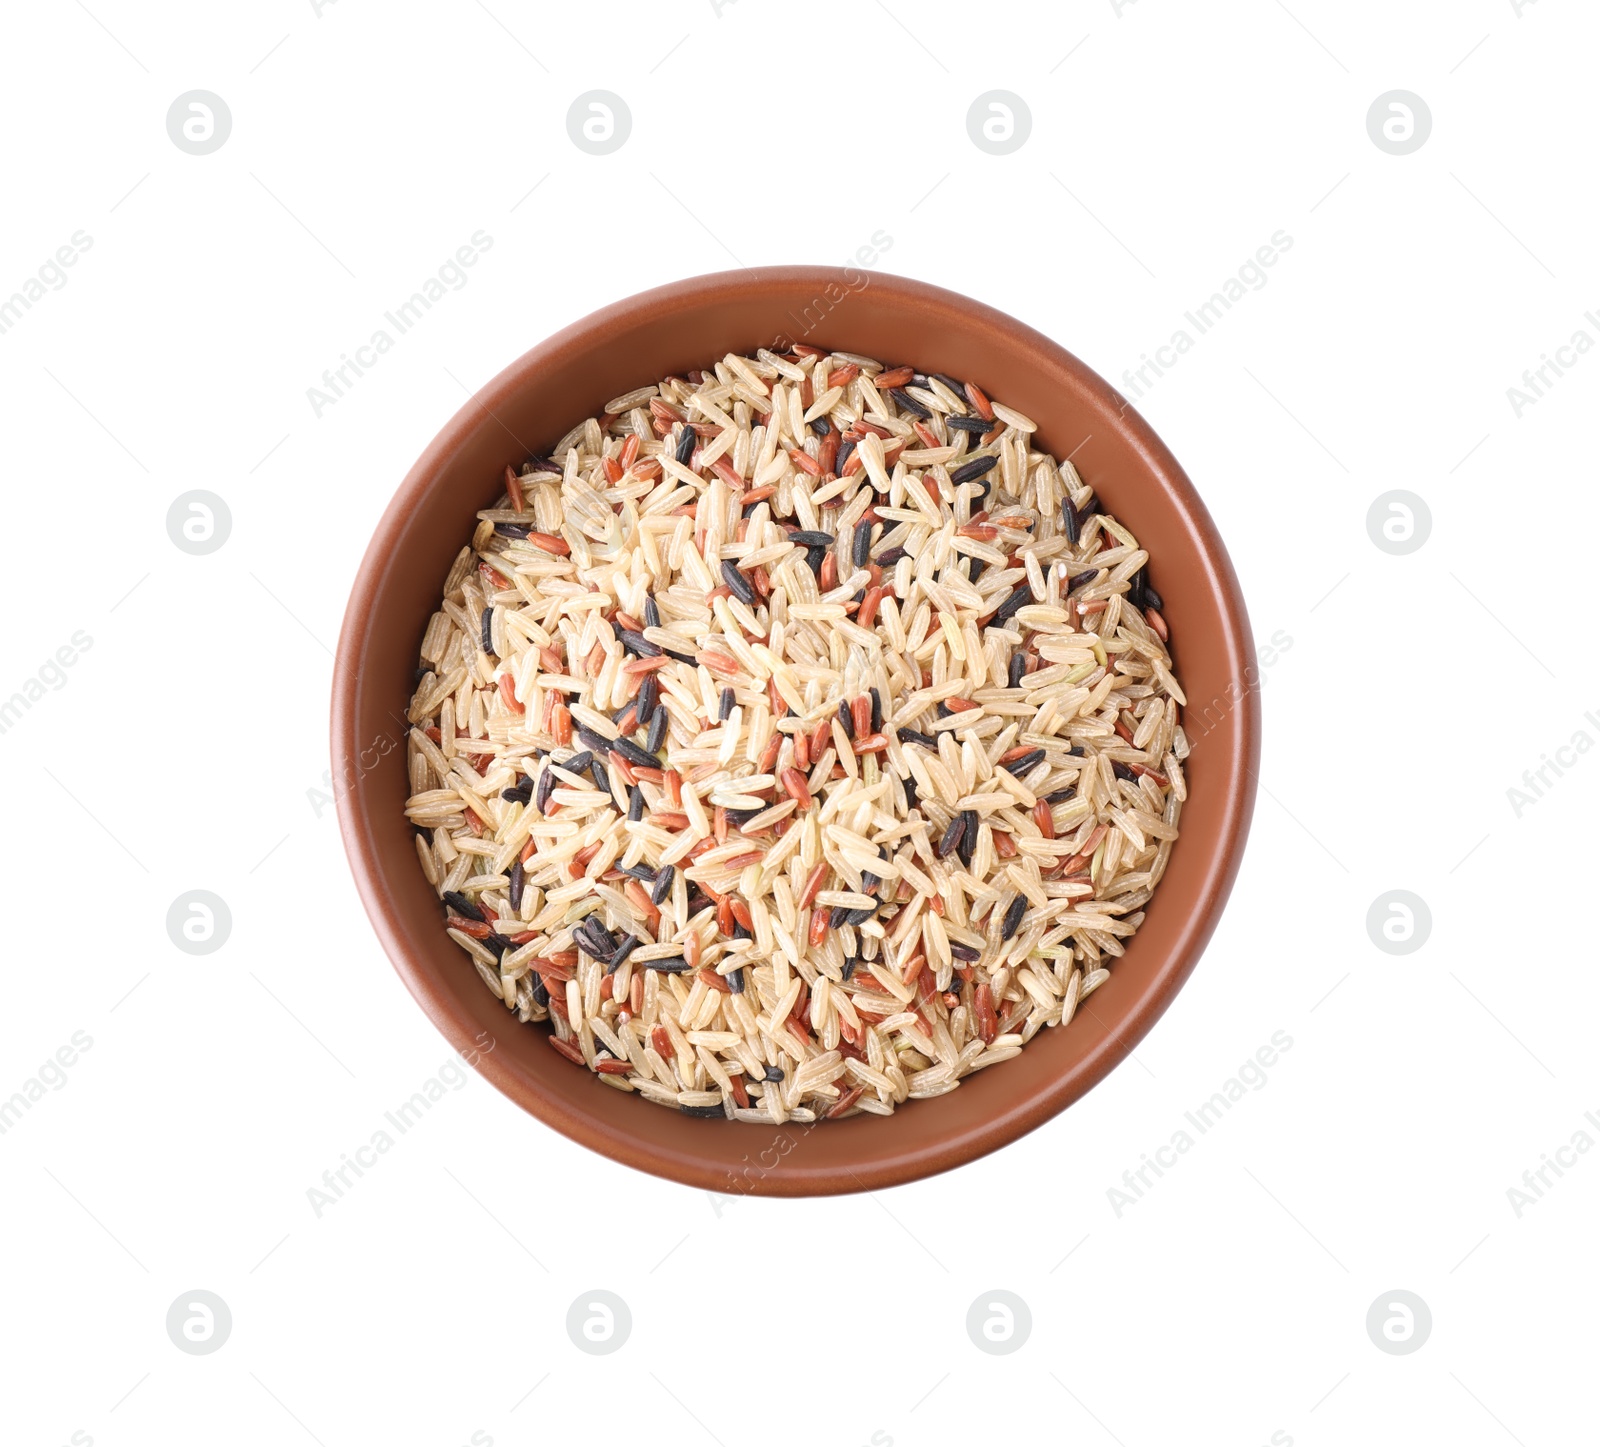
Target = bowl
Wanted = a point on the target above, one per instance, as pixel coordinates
(671, 329)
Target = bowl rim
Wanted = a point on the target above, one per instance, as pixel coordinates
(1238, 766)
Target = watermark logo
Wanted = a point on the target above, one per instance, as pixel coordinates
(1198, 722)
(51, 1075)
(999, 1323)
(1138, 1181)
(1399, 1323)
(1537, 381)
(199, 1323)
(599, 122)
(1399, 922)
(51, 274)
(999, 122)
(814, 313)
(1399, 122)
(1398, 522)
(199, 122)
(599, 1323)
(1537, 782)
(1536, 1180)
(1250, 276)
(355, 364)
(51, 672)
(199, 922)
(338, 1181)
(199, 522)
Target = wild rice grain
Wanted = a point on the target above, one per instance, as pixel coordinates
(1014, 913)
(738, 584)
(967, 472)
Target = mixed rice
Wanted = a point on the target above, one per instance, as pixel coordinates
(796, 739)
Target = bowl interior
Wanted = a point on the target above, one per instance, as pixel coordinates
(689, 324)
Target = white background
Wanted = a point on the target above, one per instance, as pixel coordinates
(186, 747)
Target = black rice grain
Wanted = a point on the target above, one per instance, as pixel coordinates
(644, 758)
(969, 836)
(739, 585)
(637, 644)
(968, 471)
(1007, 610)
(909, 404)
(594, 742)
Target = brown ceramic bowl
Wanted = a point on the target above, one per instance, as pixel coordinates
(673, 329)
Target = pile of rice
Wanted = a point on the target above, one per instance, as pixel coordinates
(796, 739)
